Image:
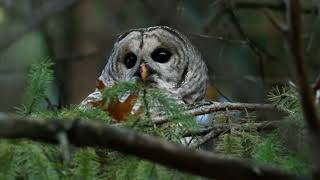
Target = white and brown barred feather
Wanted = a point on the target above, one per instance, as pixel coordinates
(183, 75)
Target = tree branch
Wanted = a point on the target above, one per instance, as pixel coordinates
(316, 85)
(260, 126)
(282, 28)
(217, 106)
(316, 89)
(82, 134)
(49, 9)
(257, 50)
(217, 130)
(275, 5)
(307, 99)
(211, 107)
(208, 137)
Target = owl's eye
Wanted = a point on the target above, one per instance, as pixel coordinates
(130, 60)
(161, 55)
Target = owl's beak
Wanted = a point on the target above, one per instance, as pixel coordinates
(143, 71)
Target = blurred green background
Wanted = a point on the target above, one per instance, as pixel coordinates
(245, 53)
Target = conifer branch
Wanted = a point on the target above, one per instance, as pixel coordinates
(83, 134)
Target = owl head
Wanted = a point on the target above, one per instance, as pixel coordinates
(161, 57)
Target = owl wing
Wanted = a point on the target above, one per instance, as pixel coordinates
(119, 110)
(94, 99)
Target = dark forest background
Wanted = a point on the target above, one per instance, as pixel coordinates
(245, 53)
(52, 51)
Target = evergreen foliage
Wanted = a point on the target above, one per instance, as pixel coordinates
(237, 143)
(120, 89)
(85, 164)
(32, 160)
(287, 147)
(39, 81)
(26, 159)
(132, 168)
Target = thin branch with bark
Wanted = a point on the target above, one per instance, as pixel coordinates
(84, 133)
(282, 28)
(260, 126)
(307, 99)
(256, 48)
(316, 89)
(217, 130)
(217, 106)
(316, 85)
(208, 137)
(39, 17)
(275, 5)
(211, 107)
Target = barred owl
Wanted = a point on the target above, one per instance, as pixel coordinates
(160, 56)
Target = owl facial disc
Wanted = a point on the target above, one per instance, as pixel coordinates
(161, 57)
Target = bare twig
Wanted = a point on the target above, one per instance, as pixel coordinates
(307, 98)
(227, 7)
(211, 107)
(275, 5)
(208, 137)
(81, 56)
(217, 130)
(217, 38)
(84, 134)
(316, 89)
(217, 106)
(51, 106)
(282, 28)
(261, 126)
(49, 9)
(316, 85)
(256, 48)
